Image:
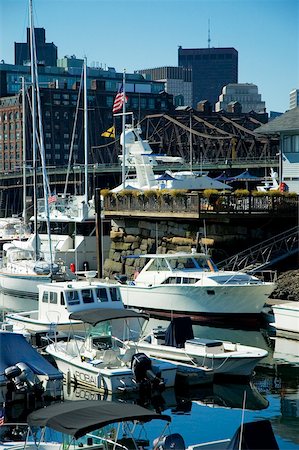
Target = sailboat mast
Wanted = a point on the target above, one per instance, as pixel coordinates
(85, 134)
(124, 132)
(33, 108)
(24, 148)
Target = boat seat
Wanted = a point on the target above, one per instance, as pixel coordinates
(210, 345)
(110, 358)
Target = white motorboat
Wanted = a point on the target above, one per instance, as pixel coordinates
(58, 300)
(24, 371)
(191, 284)
(140, 157)
(269, 184)
(177, 344)
(101, 361)
(21, 272)
(286, 317)
(85, 424)
(13, 228)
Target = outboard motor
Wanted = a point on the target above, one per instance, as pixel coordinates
(171, 442)
(22, 378)
(142, 369)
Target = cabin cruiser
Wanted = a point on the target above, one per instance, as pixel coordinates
(23, 268)
(191, 284)
(140, 157)
(58, 300)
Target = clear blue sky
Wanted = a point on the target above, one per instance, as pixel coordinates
(139, 34)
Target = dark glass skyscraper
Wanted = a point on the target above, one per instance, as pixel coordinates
(46, 52)
(212, 68)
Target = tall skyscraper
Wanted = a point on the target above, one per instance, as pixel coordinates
(46, 52)
(212, 69)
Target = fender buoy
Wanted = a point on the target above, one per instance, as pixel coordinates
(73, 267)
(283, 187)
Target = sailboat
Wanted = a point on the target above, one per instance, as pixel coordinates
(23, 264)
(72, 216)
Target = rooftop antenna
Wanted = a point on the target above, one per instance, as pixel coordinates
(209, 34)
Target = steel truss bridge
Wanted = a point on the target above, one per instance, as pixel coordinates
(213, 142)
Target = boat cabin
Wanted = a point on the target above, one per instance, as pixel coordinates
(58, 300)
(176, 268)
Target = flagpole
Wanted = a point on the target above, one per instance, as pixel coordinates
(123, 132)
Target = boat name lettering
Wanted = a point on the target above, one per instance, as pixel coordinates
(85, 377)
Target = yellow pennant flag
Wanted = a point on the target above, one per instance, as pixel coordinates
(110, 133)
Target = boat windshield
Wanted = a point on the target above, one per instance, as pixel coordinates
(198, 263)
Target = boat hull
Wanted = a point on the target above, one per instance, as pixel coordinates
(234, 302)
(109, 380)
(21, 287)
(229, 364)
(286, 317)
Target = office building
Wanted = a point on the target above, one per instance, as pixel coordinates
(177, 81)
(212, 69)
(58, 105)
(46, 53)
(294, 98)
(246, 94)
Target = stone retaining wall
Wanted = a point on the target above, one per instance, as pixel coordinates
(134, 237)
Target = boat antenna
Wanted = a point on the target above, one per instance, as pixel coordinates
(85, 133)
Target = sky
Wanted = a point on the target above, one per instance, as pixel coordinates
(140, 34)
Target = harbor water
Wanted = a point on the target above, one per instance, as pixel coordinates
(208, 413)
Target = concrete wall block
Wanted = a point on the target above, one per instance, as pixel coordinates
(135, 245)
(146, 225)
(182, 241)
(131, 238)
(112, 266)
(122, 246)
(117, 256)
(145, 233)
(135, 231)
(116, 235)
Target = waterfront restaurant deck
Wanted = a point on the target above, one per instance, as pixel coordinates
(195, 205)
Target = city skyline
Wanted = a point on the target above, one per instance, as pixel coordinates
(140, 34)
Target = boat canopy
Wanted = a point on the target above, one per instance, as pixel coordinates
(254, 435)
(95, 316)
(15, 349)
(85, 416)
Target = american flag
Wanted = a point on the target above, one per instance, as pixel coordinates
(52, 199)
(119, 99)
(2, 415)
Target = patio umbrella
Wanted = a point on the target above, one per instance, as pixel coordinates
(165, 177)
(245, 176)
(223, 177)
